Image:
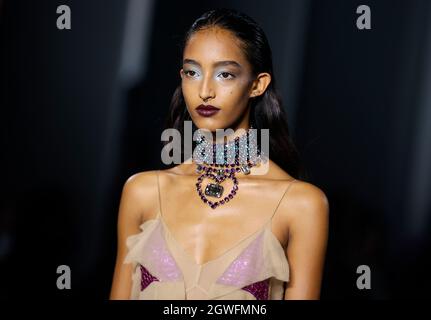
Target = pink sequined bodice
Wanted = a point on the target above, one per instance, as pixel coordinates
(242, 268)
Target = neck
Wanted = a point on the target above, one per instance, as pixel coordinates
(229, 135)
(238, 148)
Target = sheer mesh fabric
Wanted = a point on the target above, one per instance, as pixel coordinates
(254, 269)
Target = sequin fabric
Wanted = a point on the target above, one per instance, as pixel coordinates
(250, 271)
(159, 258)
(248, 266)
(260, 290)
(146, 278)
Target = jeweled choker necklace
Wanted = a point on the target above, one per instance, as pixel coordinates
(221, 161)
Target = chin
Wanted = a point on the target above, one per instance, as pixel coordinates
(209, 124)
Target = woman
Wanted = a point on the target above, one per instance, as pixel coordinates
(252, 233)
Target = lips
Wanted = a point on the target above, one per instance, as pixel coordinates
(207, 110)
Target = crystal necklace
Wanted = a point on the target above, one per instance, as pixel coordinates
(221, 161)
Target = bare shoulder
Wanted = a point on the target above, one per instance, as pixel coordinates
(307, 195)
(305, 202)
(302, 198)
(140, 191)
(141, 179)
(141, 182)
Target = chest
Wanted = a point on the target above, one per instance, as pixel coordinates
(204, 234)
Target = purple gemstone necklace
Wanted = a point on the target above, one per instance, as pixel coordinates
(230, 157)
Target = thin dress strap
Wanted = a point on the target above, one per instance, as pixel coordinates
(159, 213)
(278, 204)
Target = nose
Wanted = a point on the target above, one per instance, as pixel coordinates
(206, 91)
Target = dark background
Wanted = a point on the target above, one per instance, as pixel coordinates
(83, 109)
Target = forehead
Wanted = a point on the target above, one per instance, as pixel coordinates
(214, 44)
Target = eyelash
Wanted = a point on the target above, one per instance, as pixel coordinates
(186, 72)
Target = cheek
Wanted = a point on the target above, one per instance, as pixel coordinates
(235, 101)
(188, 91)
(236, 93)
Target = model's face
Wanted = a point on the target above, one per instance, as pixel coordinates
(216, 72)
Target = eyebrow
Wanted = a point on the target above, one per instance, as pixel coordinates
(216, 64)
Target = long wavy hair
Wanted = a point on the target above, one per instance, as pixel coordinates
(266, 110)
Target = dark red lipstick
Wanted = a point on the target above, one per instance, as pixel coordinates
(207, 110)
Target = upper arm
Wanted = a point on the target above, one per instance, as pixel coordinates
(308, 234)
(131, 209)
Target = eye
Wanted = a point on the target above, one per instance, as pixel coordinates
(226, 75)
(190, 73)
